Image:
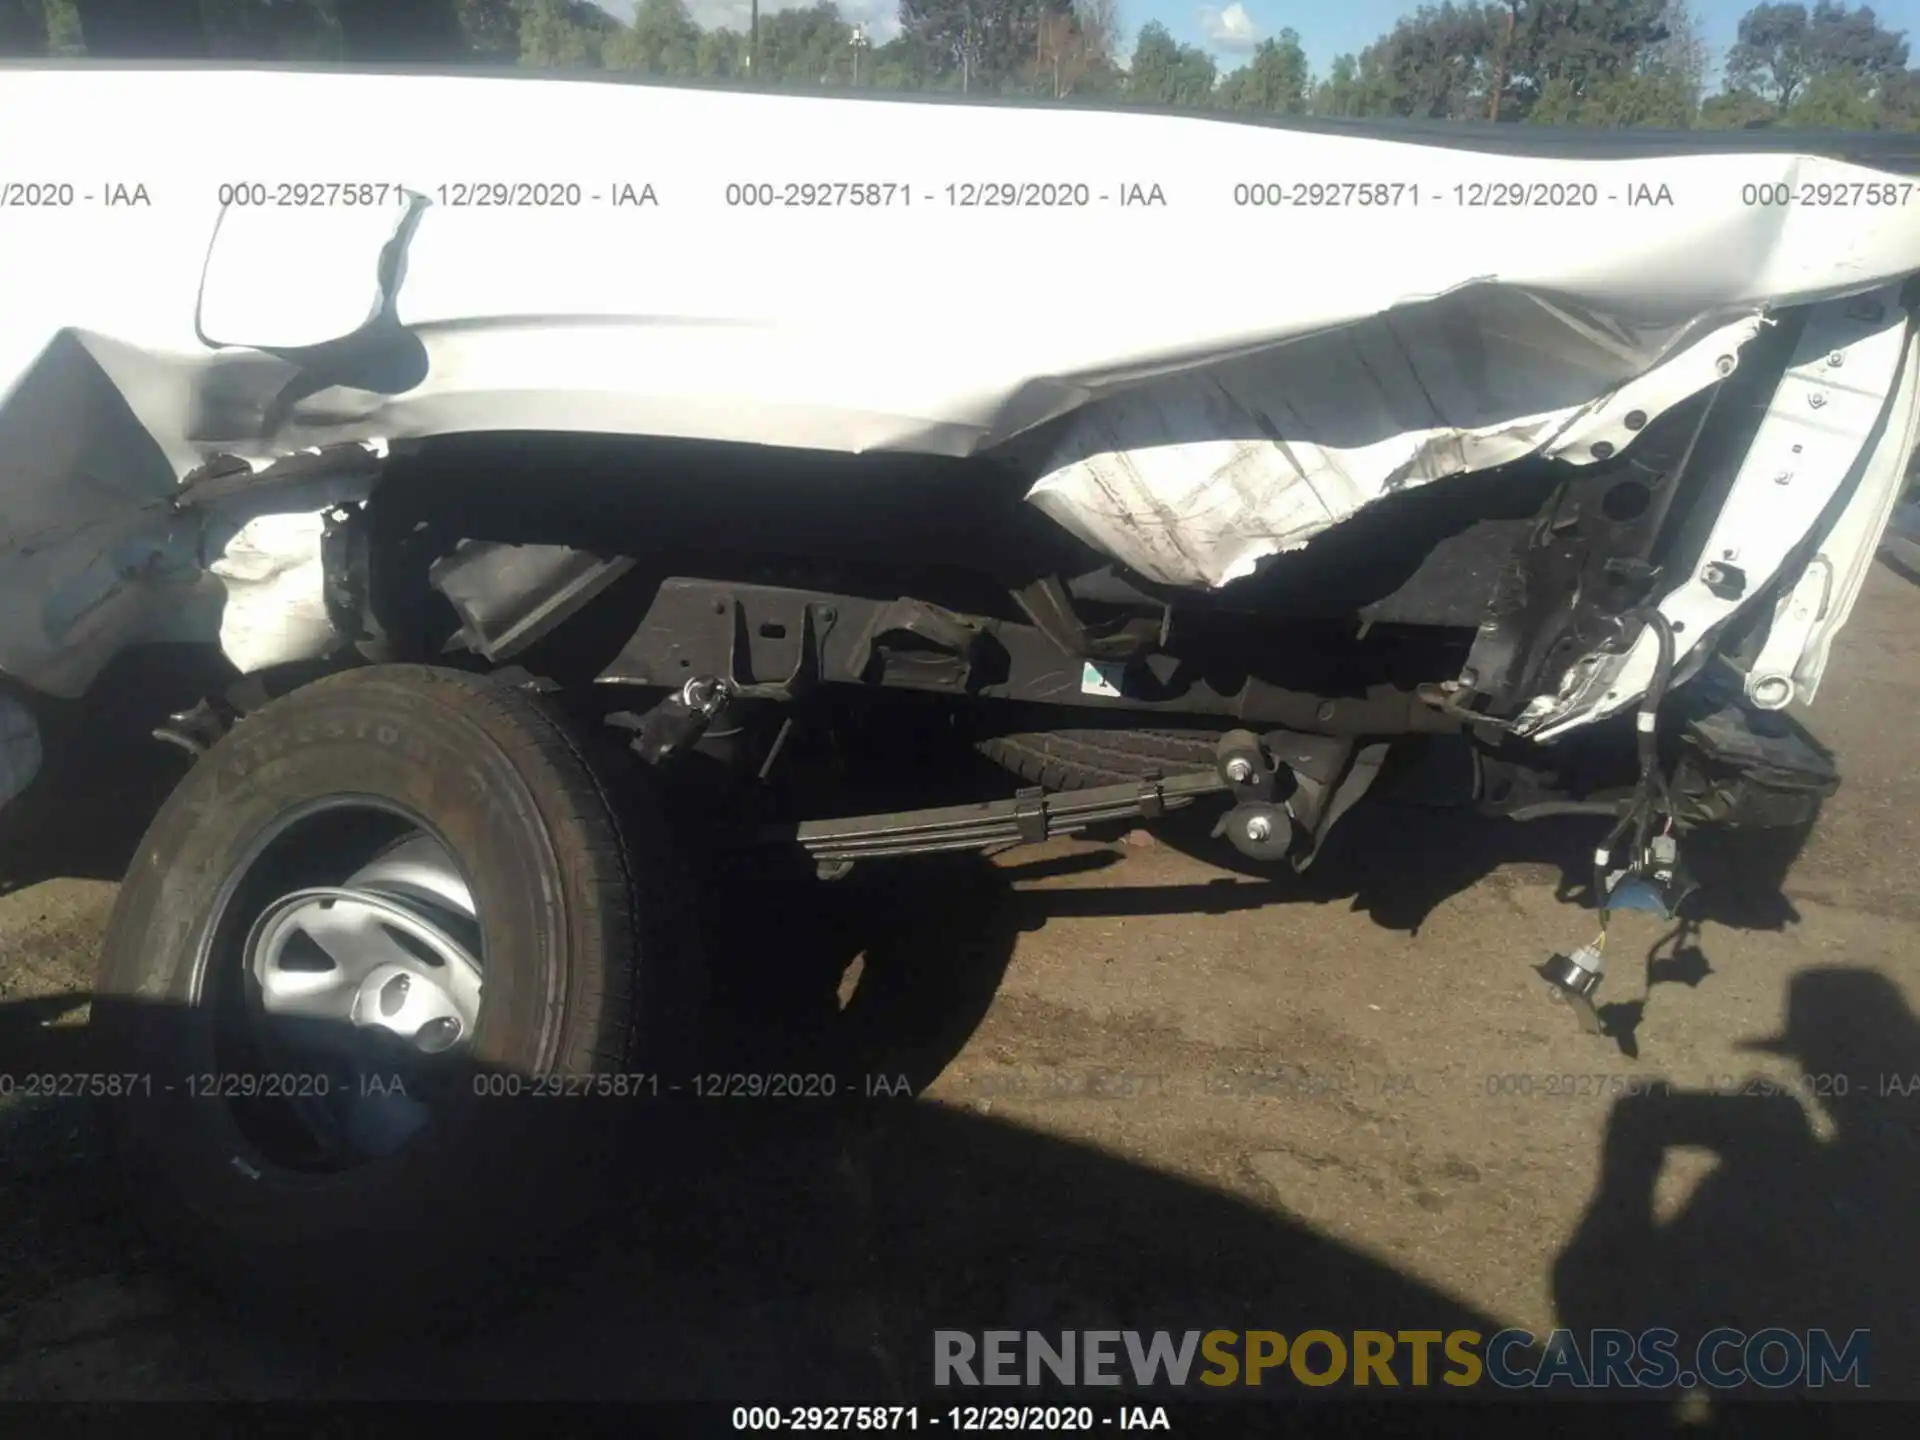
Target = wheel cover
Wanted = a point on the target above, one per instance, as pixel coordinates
(365, 981)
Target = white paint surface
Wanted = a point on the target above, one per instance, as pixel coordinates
(1234, 378)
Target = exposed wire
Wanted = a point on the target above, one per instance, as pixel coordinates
(1650, 792)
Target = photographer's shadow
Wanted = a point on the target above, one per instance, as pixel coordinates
(1788, 1229)
(799, 1249)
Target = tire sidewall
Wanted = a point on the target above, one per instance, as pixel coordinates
(435, 760)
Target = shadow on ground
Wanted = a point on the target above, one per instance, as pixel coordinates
(800, 1249)
(1786, 1228)
(1397, 862)
(807, 1250)
(779, 1249)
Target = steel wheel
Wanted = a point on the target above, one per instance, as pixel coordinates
(357, 987)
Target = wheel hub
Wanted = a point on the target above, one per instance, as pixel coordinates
(367, 977)
(391, 949)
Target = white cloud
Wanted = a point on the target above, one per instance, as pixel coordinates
(881, 17)
(1229, 29)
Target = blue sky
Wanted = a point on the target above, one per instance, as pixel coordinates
(1231, 28)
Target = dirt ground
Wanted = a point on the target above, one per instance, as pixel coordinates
(1154, 1092)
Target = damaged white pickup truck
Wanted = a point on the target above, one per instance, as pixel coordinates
(563, 471)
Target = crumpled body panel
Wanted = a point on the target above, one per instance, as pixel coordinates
(1209, 340)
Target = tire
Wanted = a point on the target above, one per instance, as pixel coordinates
(587, 972)
(1082, 759)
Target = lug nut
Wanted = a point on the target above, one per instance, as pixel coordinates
(1724, 364)
(1239, 770)
(393, 995)
(1258, 827)
(1816, 400)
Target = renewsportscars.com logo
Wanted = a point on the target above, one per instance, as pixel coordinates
(1724, 1359)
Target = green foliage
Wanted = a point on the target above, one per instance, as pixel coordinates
(978, 45)
(1438, 63)
(1828, 65)
(1832, 101)
(564, 34)
(1650, 98)
(491, 29)
(1899, 102)
(1735, 110)
(270, 30)
(663, 40)
(63, 28)
(1274, 81)
(1783, 50)
(1165, 72)
(805, 47)
(23, 27)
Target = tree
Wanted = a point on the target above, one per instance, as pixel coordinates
(1438, 63)
(1832, 100)
(1899, 107)
(1076, 46)
(1735, 109)
(1782, 49)
(976, 44)
(491, 29)
(1636, 64)
(1336, 93)
(270, 30)
(1602, 57)
(1853, 43)
(143, 29)
(1165, 72)
(1645, 97)
(720, 54)
(807, 47)
(663, 40)
(1683, 54)
(401, 29)
(23, 27)
(905, 62)
(1503, 68)
(187, 29)
(63, 29)
(1274, 81)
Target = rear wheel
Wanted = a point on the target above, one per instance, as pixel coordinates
(387, 968)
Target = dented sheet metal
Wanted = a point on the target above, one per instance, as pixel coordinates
(1840, 429)
(1196, 479)
(1209, 340)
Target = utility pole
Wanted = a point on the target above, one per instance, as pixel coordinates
(1506, 59)
(753, 37)
(859, 43)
